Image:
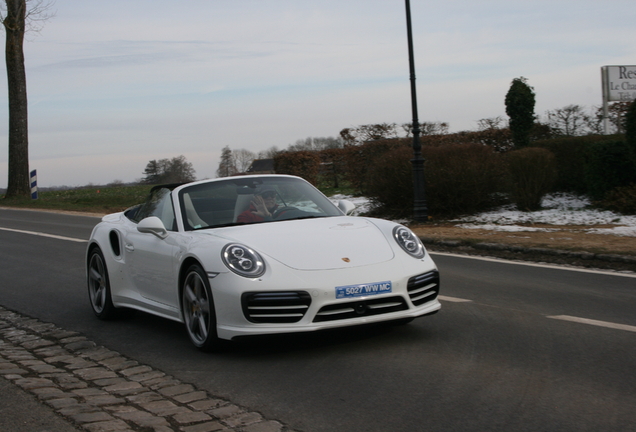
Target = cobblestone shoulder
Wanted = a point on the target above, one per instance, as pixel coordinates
(100, 390)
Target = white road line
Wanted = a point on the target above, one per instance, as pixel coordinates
(531, 264)
(45, 235)
(562, 317)
(594, 322)
(453, 299)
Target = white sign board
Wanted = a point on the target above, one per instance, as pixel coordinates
(619, 83)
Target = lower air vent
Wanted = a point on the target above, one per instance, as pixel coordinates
(423, 288)
(275, 307)
(362, 308)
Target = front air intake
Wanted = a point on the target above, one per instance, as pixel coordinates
(361, 308)
(423, 288)
(275, 307)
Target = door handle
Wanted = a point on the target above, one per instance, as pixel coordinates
(130, 248)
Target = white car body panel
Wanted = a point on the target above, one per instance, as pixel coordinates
(357, 239)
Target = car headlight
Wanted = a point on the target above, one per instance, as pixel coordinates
(408, 241)
(243, 260)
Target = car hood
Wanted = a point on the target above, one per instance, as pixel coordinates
(316, 244)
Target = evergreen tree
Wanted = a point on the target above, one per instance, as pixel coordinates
(520, 108)
(151, 173)
(227, 166)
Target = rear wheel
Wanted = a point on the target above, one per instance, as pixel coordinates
(99, 286)
(198, 309)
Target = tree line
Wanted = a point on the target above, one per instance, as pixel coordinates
(521, 127)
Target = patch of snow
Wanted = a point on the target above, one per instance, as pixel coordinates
(624, 231)
(506, 228)
(363, 205)
(558, 209)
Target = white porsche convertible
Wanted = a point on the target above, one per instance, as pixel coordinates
(254, 255)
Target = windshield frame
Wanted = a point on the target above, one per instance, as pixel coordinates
(215, 203)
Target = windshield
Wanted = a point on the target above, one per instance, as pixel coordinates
(245, 200)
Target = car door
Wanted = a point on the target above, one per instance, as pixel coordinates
(149, 258)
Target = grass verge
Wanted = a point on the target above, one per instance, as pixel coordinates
(107, 199)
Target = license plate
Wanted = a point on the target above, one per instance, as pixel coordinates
(363, 290)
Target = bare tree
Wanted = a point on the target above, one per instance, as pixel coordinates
(175, 170)
(302, 145)
(371, 132)
(375, 132)
(490, 123)
(323, 143)
(316, 144)
(570, 120)
(243, 159)
(594, 121)
(427, 128)
(270, 153)
(616, 112)
(17, 19)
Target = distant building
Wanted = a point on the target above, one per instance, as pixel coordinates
(261, 166)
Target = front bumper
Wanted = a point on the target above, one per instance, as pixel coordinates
(293, 304)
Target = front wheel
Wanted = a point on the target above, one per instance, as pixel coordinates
(99, 286)
(198, 309)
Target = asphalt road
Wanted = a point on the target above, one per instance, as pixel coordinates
(515, 347)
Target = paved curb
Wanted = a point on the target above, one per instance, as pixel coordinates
(578, 258)
(100, 390)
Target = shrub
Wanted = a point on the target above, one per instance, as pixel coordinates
(609, 164)
(305, 164)
(630, 126)
(333, 167)
(532, 173)
(360, 158)
(571, 160)
(621, 199)
(389, 182)
(460, 179)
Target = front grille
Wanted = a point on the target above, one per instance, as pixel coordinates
(361, 308)
(275, 307)
(423, 288)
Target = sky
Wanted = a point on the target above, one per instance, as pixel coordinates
(115, 84)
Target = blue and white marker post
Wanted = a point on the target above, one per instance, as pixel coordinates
(34, 184)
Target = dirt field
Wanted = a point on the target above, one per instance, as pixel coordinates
(562, 245)
(562, 237)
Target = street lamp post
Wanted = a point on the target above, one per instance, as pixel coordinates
(420, 212)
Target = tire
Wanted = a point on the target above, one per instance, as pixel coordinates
(99, 286)
(197, 306)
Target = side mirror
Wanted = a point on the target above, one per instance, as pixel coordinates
(153, 225)
(346, 206)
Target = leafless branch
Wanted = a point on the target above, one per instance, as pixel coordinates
(37, 13)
